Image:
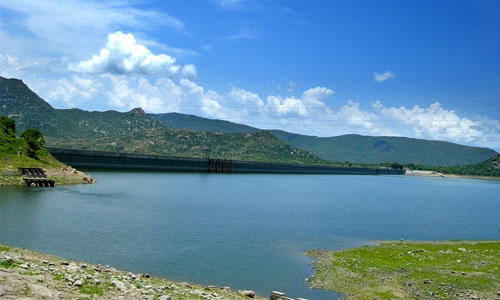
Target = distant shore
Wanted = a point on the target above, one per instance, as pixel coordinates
(31, 275)
(437, 174)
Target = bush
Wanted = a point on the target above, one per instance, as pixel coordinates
(35, 140)
(8, 126)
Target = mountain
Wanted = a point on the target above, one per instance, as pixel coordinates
(353, 148)
(371, 149)
(136, 132)
(192, 122)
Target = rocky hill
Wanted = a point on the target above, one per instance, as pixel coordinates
(136, 132)
(352, 148)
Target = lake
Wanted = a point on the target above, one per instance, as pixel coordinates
(246, 231)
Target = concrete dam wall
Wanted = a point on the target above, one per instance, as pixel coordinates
(115, 160)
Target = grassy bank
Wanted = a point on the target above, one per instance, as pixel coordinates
(28, 151)
(27, 274)
(411, 270)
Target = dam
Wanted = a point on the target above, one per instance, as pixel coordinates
(131, 161)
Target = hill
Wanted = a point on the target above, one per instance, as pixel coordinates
(29, 152)
(136, 132)
(192, 122)
(374, 150)
(352, 148)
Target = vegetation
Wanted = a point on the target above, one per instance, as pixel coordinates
(411, 270)
(489, 167)
(29, 152)
(351, 148)
(191, 122)
(136, 132)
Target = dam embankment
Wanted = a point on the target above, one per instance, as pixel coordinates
(131, 161)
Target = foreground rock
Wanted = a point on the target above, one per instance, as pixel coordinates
(29, 275)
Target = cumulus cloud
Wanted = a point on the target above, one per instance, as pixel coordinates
(316, 111)
(123, 55)
(383, 77)
(434, 122)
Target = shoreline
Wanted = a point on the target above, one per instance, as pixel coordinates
(32, 275)
(411, 270)
(424, 173)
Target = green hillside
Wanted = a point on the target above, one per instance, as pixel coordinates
(369, 149)
(136, 132)
(351, 148)
(192, 122)
(489, 167)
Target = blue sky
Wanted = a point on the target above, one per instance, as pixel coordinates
(425, 69)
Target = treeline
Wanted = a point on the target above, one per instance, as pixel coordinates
(490, 167)
(30, 142)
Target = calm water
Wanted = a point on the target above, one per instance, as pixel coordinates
(245, 231)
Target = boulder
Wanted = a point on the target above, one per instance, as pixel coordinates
(247, 293)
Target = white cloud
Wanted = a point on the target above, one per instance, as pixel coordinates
(383, 77)
(314, 112)
(123, 55)
(434, 122)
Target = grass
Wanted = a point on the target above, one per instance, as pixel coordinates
(411, 270)
(8, 263)
(4, 249)
(91, 289)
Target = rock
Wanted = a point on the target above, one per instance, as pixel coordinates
(119, 285)
(24, 266)
(247, 293)
(65, 263)
(137, 112)
(165, 298)
(72, 269)
(277, 295)
(41, 291)
(78, 283)
(462, 249)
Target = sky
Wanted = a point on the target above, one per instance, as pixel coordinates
(421, 69)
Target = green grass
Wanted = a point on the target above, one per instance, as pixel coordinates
(58, 276)
(91, 289)
(8, 263)
(4, 249)
(407, 270)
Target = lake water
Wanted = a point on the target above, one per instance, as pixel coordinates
(242, 231)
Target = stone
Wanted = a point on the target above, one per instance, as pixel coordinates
(78, 283)
(65, 263)
(165, 298)
(277, 295)
(247, 293)
(41, 291)
(119, 285)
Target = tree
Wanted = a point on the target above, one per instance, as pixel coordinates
(35, 140)
(8, 126)
(396, 166)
